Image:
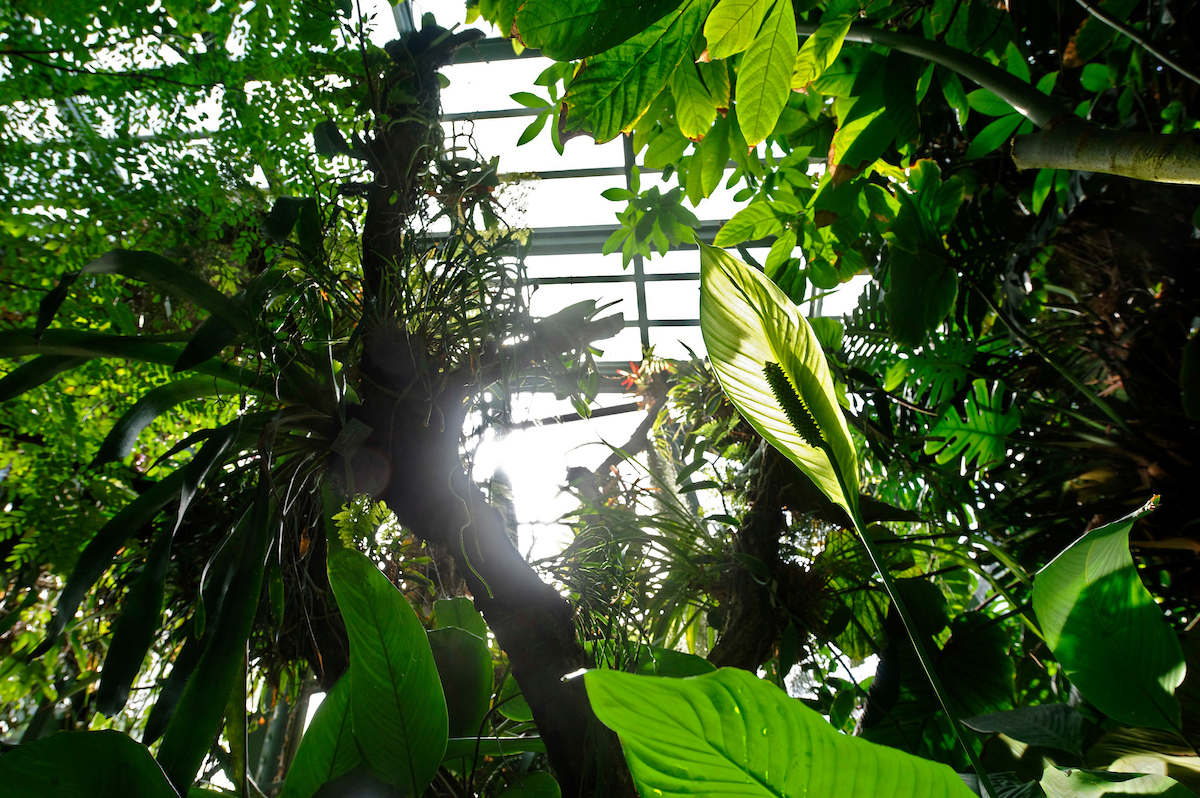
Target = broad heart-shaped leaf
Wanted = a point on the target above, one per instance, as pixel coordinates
(327, 749)
(1055, 726)
(616, 87)
(729, 733)
(765, 75)
(732, 25)
(981, 433)
(568, 30)
(83, 764)
(1107, 632)
(396, 700)
(748, 322)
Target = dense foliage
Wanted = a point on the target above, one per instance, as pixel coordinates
(243, 375)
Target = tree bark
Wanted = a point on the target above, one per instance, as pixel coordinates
(1074, 144)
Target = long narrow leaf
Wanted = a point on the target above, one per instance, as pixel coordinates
(149, 268)
(36, 372)
(98, 554)
(135, 629)
(197, 719)
(327, 749)
(121, 438)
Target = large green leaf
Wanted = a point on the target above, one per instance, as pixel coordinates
(757, 220)
(197, 719)
(396, 699)
(459, 612)
(732, 25)
(327, 749)
(616, 87)
(922, 288)
(748, 322)
(980, 435)
(1107, 632)
(695, 109)
(1051, 725)
(731, 734)
(820, 50)
(765, 75)
(158, 272)
(84, 764)
(568, 30)
(121, 438)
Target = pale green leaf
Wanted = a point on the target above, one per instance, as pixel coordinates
(756, 220)
(764, 77)
(1107, 632)
(694, 108)
(396, 700)
(985, 102)
(730, 733)
(732, 25)
(1075, 783)
(748, 322)
(820, 50)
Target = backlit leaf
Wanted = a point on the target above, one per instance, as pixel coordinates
(980, 434)
(616, 87)
(730, 733)
(327, 749)
(764, 77)
(732, 25)
(694, 108)
(820, 50)
(748, 322)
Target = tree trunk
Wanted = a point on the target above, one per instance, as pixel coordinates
(1074, 144)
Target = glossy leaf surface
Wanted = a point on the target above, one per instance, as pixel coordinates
(731, 734)
(100, 764)
(1106, 630)
(567, 30)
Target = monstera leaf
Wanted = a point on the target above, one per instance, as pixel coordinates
(980, 435)
(730, 733)
(1107, 632)
(752, 330)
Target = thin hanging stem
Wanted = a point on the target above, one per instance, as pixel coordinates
(1134, 36)
(909, 625)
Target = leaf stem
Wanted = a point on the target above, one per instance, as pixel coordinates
(910, 627)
